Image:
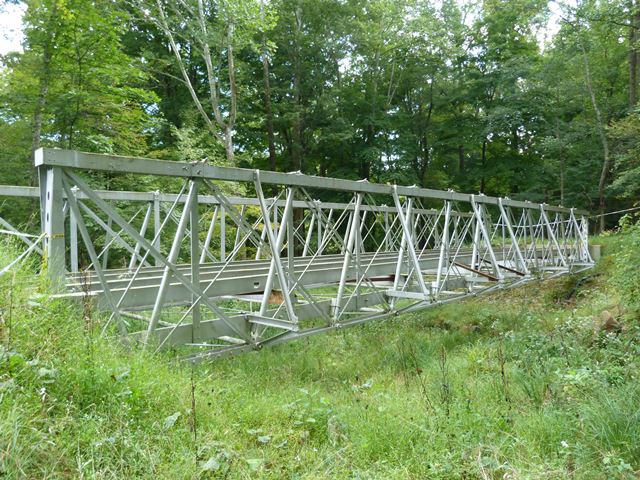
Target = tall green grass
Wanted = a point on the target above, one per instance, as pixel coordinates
(521, 384)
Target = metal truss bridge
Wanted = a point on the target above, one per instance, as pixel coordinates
(233, 259)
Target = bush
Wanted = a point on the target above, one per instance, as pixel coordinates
(626, 274)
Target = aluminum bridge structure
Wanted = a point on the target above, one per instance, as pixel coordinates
(228, 259)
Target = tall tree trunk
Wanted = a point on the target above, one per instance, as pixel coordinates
(228, 143)
(268, 111)
(267, 96)
(425, 158)
(296, 131)
(606, 159)
(461, 159)
(634, 54)
(41, 101)
(45, 80)
(483, 164)
(231, 120)
(562, 161)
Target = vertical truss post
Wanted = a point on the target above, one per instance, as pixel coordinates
(275, 216)
(107, 239)
(42, 194)
(73, 235)
(359, 245)
(237, 238)
(276, 246)
(173, 256)
(552, 235)
(406, 229)
(386, 229)
(290, 241)
(413, 221)
(307, 240)
(582, 232)
(194, 222)
(328, 229)
(223, 234)
(352, 233)
(533, 248)
(143, 231)
(349, 223)
(157, 221)
(444, 245)
(478, 212)
(475, 251)
(506, 219)
(318, 213)
(54, 242)
(207, 239)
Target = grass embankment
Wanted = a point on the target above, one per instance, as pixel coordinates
(526, 383)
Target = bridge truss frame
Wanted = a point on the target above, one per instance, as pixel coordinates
(315, 266)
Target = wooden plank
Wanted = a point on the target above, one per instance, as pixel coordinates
(477, 272)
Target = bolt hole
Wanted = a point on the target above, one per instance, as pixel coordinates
(256, 284)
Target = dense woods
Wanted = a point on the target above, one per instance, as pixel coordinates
(473, 96)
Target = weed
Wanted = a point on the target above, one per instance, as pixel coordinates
(422, 396)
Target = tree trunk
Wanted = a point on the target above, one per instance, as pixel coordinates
(562, 165)
(267, 95)
(425, 158)
(633, 71)
(461, 159)
(483, 164)
(634, 54)
(228, 137)
(228, 143)
(42, 98)
(606, 160)
(296, 131)
(45, 79)
(268, 111)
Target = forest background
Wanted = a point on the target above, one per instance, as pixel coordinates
(528, 99)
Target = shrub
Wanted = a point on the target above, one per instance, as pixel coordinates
(626, 274)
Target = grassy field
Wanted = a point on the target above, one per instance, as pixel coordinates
(527, 383)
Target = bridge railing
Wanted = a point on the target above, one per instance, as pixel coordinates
(201, 266)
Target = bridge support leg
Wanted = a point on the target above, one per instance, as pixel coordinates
(51, 192)
(73, 236)
(444, 248)
(194, 221)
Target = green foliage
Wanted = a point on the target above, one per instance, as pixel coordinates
(90, 93)
(627, 265)
(522, 384)
(463, 95)
(626, 134)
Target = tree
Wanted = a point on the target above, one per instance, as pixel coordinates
(211, 31)
(74, 82)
